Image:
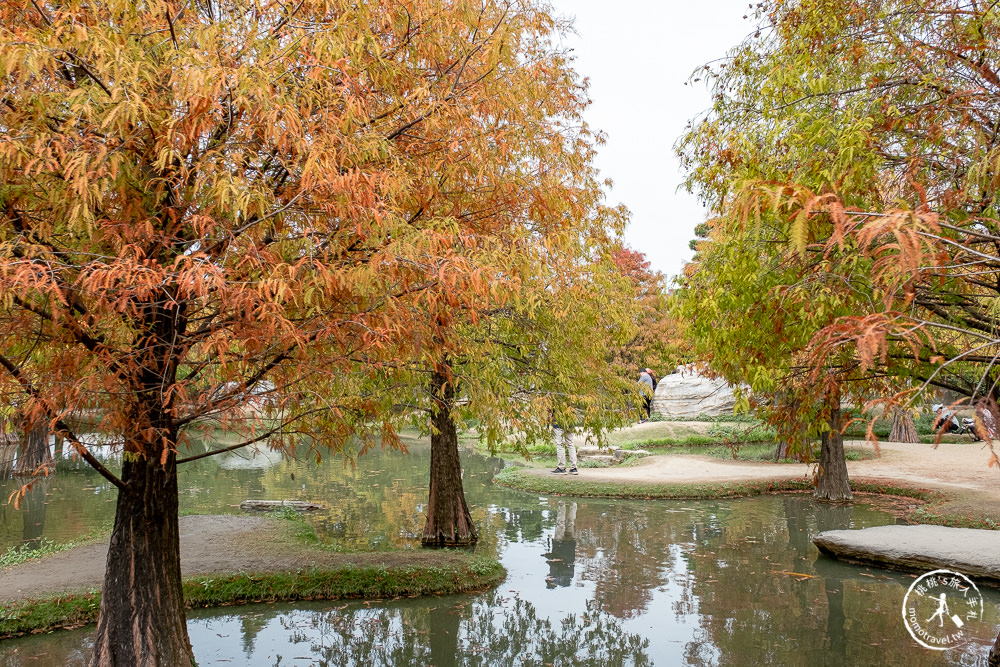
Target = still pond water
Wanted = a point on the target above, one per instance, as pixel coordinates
(591, 582)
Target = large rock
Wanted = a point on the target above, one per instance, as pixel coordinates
(688, 394)
(975, 553)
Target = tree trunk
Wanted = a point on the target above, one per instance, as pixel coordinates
(832, 482)
(782, 451)
(142, 619)
(903, 428)
(994, 659)
(35, 458)
(449, 522)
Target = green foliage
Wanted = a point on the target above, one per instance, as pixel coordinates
(928, 515)
(754, 432)
(925, 423)
(594, 463)
(375, 581)
(687, 440)
(760, 451)
(849, 155)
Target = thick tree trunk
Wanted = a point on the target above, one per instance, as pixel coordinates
(34, 458)
(903, 429)
(142, 619)
(832, 481)
(449, 522)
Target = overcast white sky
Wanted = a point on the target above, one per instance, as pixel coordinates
(638, 54)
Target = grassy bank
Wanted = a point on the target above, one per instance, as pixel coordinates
(920, 505)
(516, 478)
(375, 581)
(24, 553)
(750, 438)
(758, 452)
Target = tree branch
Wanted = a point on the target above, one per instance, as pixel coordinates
(60, 426)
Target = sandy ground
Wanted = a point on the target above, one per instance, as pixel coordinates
(209, 545)
(961, 466)
(961, 471)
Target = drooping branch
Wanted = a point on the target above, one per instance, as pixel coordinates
(60, 426)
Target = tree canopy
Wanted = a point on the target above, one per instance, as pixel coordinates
(868, 132)
(213, 205)
(857, 142)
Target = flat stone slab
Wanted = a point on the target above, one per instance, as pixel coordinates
(267, 505)
(973, 552)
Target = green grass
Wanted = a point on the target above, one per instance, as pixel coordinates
(740, 419)
(754, 451)
(348, 582)
(686, 441)
(63, 611)
(513, 477)
(23, 553)
(932, 510)
(746, 432)
(928, 515)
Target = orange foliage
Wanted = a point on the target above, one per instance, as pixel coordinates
(240, 215)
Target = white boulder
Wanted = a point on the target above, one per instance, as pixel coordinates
(688, 394)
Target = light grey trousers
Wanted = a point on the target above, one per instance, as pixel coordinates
(564, 441)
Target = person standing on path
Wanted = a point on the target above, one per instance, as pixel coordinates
(647, 386)
(564, 442)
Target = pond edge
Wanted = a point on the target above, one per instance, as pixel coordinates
(370, 582)
(926, 506)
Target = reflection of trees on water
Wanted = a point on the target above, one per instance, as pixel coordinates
(377, 503)
(60, 507)
(494, 631)
(8, 453)
(628, 552)
(61, 648)
(33, 505)
(834, 517)
(765, 598)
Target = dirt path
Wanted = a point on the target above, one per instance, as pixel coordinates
(948, 467)
(209, 545)
(959, 470)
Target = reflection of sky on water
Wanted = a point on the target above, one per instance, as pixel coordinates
(733, 582)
